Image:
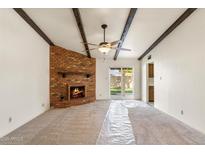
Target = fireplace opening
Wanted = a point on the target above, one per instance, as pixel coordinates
(77, 92)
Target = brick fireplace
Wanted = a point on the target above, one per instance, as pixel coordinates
(72, 78)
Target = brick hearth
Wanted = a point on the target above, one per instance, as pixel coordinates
(68, 68)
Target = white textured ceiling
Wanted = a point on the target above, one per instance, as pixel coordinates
(148, 24)
(59, 25)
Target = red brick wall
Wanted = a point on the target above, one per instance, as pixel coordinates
(66, 60)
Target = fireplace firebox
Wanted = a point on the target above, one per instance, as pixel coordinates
(77, 92)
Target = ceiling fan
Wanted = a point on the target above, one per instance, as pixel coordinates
(104, 46)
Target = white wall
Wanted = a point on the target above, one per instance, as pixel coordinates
(179, 61)
(102, 76)
(24, 68)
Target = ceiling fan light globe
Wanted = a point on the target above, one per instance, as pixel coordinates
(104, 50)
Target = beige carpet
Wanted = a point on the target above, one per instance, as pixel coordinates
(74, 125)
(82, 125)
(150, 126)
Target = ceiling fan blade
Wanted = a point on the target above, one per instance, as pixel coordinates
(89, 49)
(90, 44)
(115, 42)
(123, 49)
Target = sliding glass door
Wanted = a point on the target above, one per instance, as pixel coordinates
(121, 82)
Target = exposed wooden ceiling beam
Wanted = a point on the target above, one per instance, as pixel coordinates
(26, 18)
(76, 13)
(185, 15)
(125, 31)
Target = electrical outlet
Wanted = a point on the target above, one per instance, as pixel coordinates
(10, 119)
(42, 104)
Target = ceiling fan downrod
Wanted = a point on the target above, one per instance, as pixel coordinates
(104, 26)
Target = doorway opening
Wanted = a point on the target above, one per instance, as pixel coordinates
(121, 83)
(150, 83)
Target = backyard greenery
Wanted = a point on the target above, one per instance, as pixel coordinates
(116, 91)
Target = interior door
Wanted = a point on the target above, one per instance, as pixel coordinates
(151, 82)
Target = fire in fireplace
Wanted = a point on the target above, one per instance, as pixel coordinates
(77, 92)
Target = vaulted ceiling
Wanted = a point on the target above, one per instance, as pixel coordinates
(147, 25)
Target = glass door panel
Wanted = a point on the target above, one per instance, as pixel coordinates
(115, 81)
(127, 84)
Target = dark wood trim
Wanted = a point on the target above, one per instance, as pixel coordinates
(76, 13)
(185, 15)
(125, 31)
(65, 73)
(27, 19)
